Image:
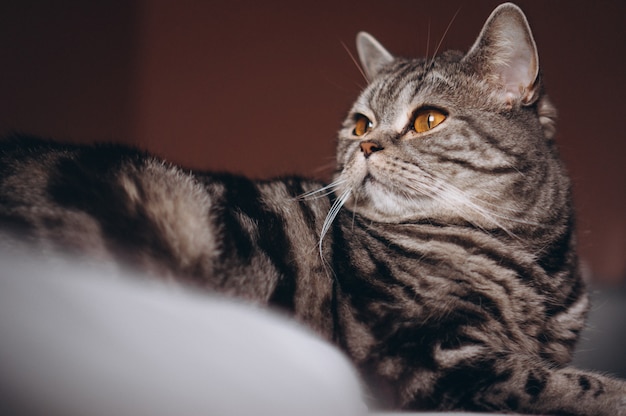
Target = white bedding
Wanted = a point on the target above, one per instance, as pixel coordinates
(75, 340)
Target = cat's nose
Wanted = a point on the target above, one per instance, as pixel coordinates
(369, 146)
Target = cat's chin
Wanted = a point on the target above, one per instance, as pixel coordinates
(381, 204)
(379, 198)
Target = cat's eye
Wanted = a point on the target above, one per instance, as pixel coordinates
(362, 125)
(427, 119)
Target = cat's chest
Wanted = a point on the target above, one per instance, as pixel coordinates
(404, 275)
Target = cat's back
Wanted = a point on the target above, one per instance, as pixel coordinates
(30, 166)
(51, 174)
(116, 203)
(107, 201)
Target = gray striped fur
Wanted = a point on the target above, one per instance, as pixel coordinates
(443, 263)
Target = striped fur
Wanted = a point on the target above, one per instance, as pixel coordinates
(443, 263)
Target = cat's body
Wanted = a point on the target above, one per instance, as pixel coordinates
(451, 278)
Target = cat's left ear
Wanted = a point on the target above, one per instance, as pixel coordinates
(506, 54)
(372, 54)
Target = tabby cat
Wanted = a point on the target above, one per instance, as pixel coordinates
(441, 258)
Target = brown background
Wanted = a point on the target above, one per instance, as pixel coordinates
(260, 88)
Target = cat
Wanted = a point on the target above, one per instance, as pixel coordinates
(441, 258)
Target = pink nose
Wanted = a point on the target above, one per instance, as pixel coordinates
(368, 147)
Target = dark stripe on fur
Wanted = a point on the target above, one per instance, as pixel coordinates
(242, 195)
(237, 242)
(83, 180)
(458, 386)
(535, 383)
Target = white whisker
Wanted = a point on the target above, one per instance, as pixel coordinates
(438, 186)
(356, 200)
(485, 211)
(322, 192)
(330, 217)
(429, 185)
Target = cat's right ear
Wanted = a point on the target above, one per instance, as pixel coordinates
(372, 54)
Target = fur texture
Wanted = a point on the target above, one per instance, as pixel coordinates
(441, 258)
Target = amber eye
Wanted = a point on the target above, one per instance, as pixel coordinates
(362, 125)
(427, 119)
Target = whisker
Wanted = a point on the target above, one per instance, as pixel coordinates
(356, 63)
(429, 185)
(330, 217)
(323, 191)
(427, 46)
(484, 210)
(480, 207)
(356, 201)
(435, 193)
(462, 199)
(325, 168)
(443, 37)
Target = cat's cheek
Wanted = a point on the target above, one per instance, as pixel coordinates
(346, 152)
(372, 194)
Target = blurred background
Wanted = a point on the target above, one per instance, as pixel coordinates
(260, 88)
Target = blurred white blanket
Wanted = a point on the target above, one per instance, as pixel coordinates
(83, 340)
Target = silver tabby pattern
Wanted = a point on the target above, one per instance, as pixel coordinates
(440, 259)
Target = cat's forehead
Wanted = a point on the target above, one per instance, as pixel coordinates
(406, 84)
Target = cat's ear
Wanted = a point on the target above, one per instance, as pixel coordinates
(372, 54)
(506, 54)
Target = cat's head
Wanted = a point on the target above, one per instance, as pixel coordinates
(462, 138)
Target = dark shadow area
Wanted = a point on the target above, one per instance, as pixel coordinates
(602, 343)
